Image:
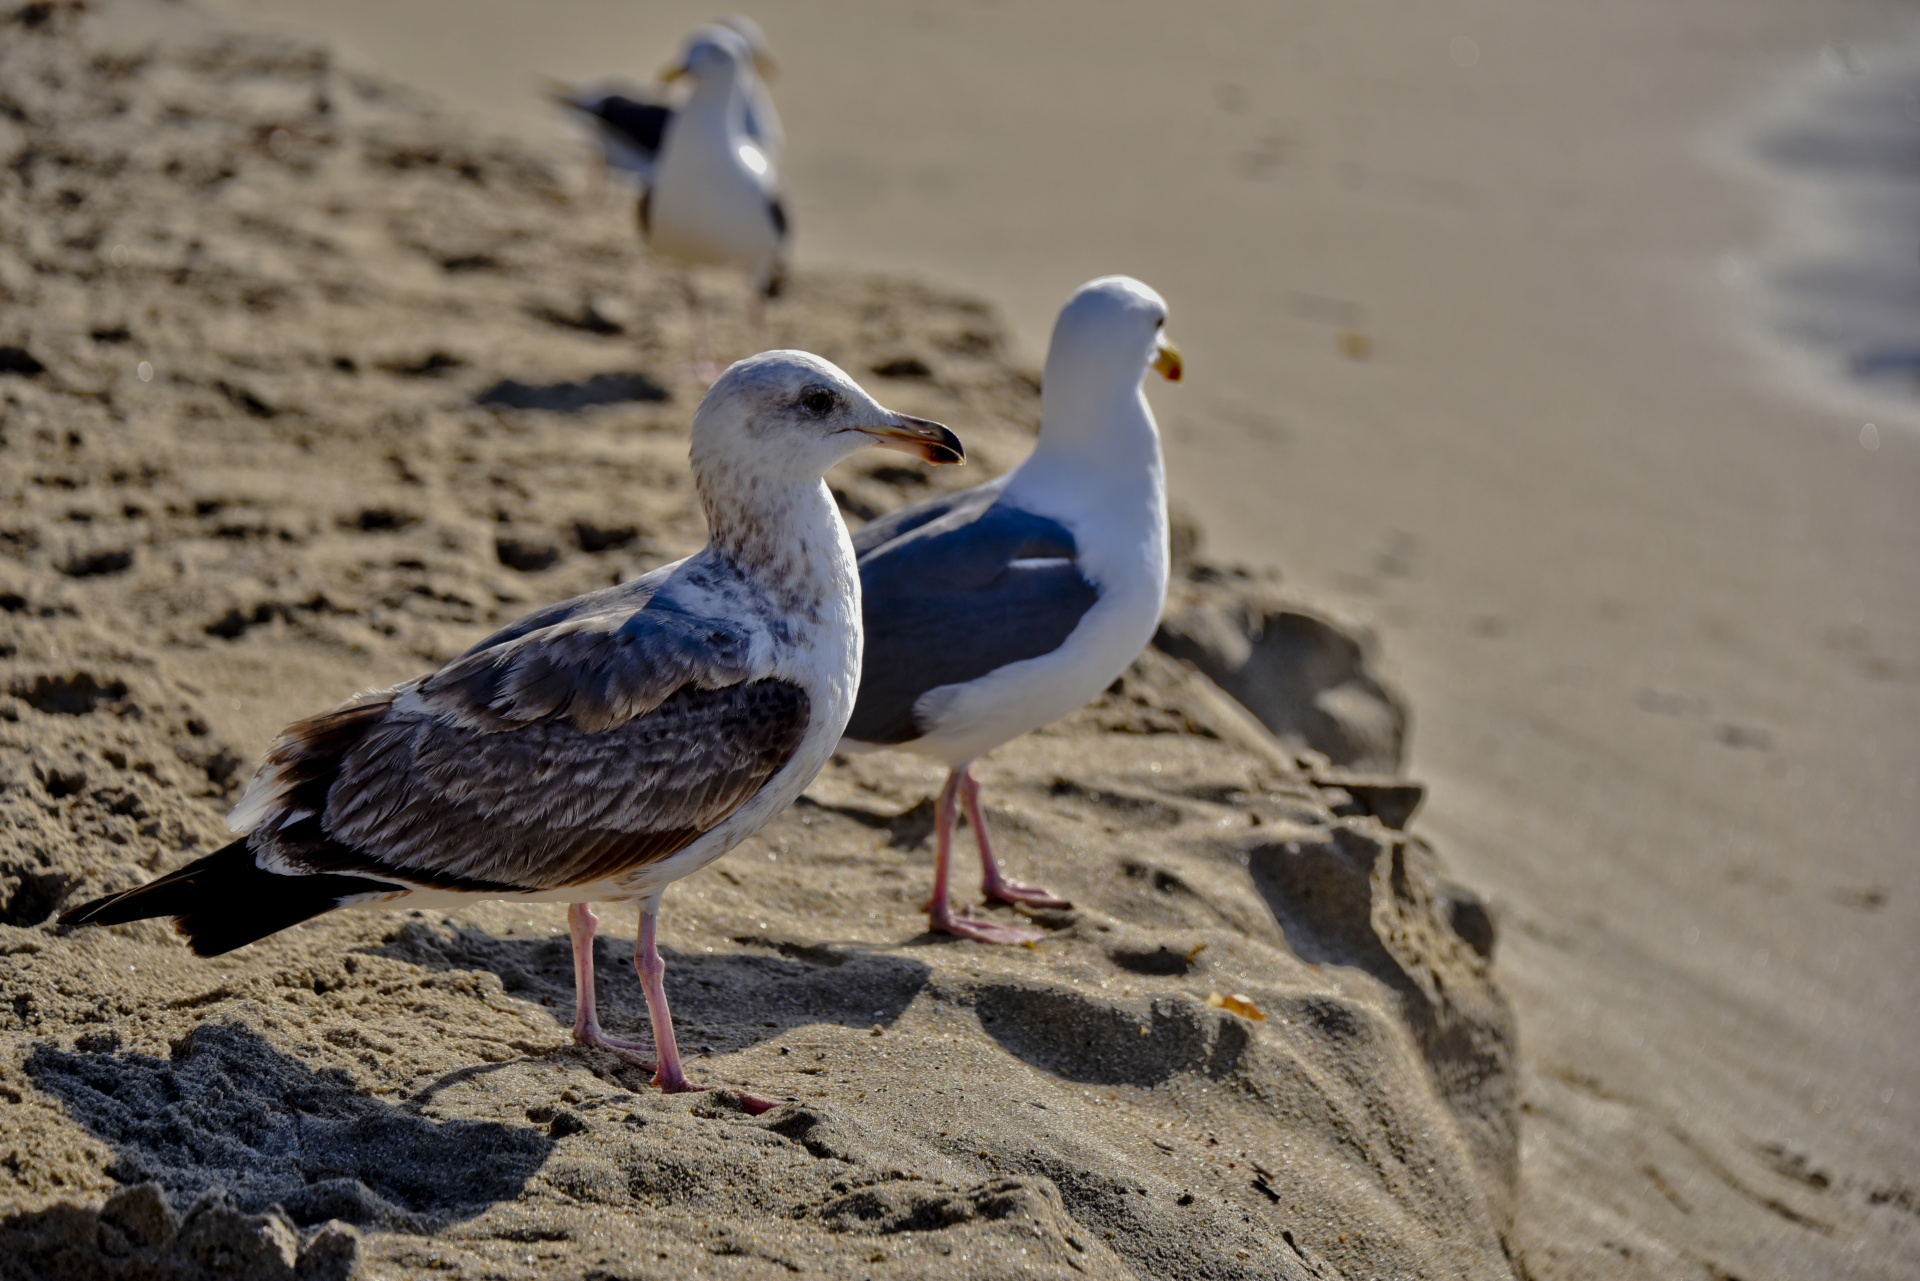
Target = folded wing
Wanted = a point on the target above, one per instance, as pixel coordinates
(632, 131)
(953, 590)
(560, 757)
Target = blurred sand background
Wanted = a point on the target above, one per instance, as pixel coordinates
(1656, 605)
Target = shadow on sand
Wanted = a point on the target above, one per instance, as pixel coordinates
(721, 1001)
(227, 1110)
(573, 397)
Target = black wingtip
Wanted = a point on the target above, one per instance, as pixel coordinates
(84, 914)
(226, 900)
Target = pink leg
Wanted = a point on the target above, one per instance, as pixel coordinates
(582, 923)
(671, 1077)
(997, 887)
(757, 314)
(704, 368)
(940, 915)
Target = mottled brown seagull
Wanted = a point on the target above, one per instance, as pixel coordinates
(601, 748)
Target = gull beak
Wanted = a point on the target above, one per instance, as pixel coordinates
(764, 64)
(1166, 359)
(673, 72)
(919, 437)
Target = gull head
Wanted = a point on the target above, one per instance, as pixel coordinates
(711, 52)
(787, 416)
(1110, 333)
(749, 30)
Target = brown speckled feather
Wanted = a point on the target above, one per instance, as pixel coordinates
(556, 758)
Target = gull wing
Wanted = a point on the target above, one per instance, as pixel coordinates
(952, 593)
(558, 757)
(632, 131)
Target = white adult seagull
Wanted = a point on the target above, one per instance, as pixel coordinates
(762, 121)
(711, 192)
(631, 125)
(601, 748)
(996, 610)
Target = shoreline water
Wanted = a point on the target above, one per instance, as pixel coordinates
(1832, 298)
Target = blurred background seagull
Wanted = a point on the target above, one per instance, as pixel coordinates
(601, 748)
(762, 121)
(630, 123)
(709, 169)
(996, 610)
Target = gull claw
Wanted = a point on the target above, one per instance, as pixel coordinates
(979, 929)
(752, 1103)
(1011, 892)
(633, 1052)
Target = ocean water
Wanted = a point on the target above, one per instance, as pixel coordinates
(1841, 282)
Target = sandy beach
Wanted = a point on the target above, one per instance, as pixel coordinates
(1472, 361)
(1656, 608)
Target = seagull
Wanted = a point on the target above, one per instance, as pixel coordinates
(711, 190)
(598, 749)
(762, 121)
(995, 610)
(631, 126)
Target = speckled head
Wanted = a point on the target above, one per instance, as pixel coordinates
(787, 416)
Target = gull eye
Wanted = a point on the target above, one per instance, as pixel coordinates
(818, 401)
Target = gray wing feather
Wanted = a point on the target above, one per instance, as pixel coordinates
(545, 804)
(603, 741)
(595, 670)
(967, 504)
(623, 598)
(632, 131)
(955, 597)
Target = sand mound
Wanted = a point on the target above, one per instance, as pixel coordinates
(307, 389)
(1308, 677)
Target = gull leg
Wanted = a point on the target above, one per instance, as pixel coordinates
(763, 287)
(757, 315)
(704, 369)
(940, 915)
(671, 1077)
(581, 924)
(997, 887)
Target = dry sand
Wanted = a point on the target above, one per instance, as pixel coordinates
(305, 389)
(1654, 604)
(1656, 608)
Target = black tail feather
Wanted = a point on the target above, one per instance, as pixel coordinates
(226, 900)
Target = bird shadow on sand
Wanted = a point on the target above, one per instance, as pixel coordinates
(573, 397)
(226, 1110)
(721, 1001)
